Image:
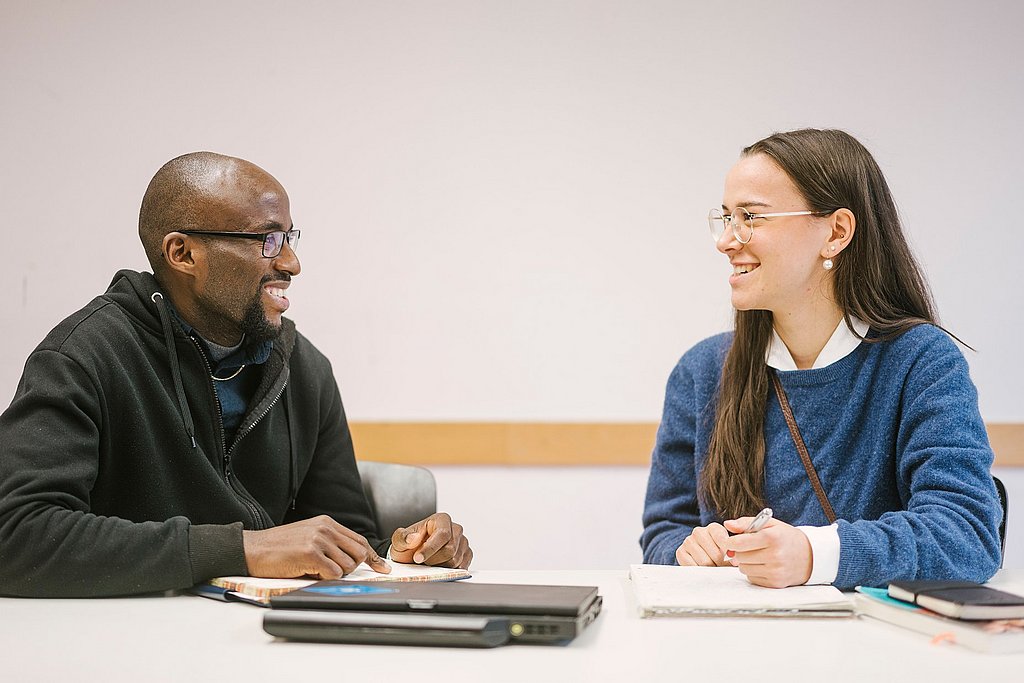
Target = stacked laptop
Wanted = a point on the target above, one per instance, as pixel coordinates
(460, 613)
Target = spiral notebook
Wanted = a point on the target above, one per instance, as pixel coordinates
(662, 590)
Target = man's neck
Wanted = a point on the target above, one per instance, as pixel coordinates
(187, 314)
(806, 331)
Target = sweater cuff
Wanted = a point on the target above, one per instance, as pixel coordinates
(216, 550)
(824, 542)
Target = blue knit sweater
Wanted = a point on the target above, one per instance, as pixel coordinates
(895, 435)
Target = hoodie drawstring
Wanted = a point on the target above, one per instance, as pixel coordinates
(172, 356)
(293, 475)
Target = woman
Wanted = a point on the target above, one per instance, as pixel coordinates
(830, 301)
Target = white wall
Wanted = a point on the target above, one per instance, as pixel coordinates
(503, 203)
(575, 517)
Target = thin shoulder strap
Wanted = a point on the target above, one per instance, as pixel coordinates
(802, 449)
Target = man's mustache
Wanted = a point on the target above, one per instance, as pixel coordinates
(275, 277)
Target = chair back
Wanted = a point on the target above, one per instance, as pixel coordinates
(1004, 500)
(399, 495)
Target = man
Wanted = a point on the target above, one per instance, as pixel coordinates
(179, 428)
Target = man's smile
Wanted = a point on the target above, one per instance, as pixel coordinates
(277, 293)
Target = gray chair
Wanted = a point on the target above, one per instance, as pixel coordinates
(399, 495)
(1004, 501)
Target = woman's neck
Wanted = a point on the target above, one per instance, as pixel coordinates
(806, 331)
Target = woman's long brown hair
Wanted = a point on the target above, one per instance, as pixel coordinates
(875, 279)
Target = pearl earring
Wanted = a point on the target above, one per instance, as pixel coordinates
(827, 265)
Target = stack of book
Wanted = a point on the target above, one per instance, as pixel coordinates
(969, 614)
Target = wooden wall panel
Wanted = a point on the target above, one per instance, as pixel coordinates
(550, 443)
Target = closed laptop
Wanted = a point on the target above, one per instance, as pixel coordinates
(387, 628)
(535, 613)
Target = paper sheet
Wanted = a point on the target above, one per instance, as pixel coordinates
(265, 588)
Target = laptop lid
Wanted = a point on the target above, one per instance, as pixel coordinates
(535, 614)
(456, 597)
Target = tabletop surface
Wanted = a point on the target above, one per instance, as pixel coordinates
(188, 638)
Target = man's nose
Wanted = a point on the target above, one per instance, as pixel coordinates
(287, 261)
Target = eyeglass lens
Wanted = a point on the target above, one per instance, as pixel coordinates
(273, 242)
(740, 220)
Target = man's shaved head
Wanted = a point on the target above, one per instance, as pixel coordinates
(224, 287)
(182, 190)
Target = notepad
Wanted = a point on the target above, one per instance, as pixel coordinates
(662, 590)
(261, 590)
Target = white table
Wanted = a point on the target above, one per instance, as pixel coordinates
(187, 638)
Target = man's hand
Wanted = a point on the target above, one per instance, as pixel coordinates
(318, 547)
(777, 556)
(704, 547)
(436, 540)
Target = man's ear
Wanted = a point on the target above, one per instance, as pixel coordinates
(178, 254)
(844, 224)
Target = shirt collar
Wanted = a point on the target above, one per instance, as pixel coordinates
(840, 345)
(245, 354)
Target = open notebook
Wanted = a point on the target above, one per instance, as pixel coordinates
(259, 591)
(662, 590)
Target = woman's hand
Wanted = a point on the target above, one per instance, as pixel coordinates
(703, 547)
(777, 556)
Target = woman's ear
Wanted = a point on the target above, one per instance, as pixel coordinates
(844, 224)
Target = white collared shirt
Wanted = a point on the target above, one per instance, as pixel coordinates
(824, 540)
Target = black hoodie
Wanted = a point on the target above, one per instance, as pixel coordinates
(114, 474)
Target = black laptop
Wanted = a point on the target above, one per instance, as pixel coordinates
(522, 613)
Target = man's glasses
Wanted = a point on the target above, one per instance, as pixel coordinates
(742, 221)
(273, 242)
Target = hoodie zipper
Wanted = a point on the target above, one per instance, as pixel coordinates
(240, 435)
(254, 512)
(252, 425)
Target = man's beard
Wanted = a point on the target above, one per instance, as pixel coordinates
(255, 326)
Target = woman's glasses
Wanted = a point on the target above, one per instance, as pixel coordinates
(742, 221)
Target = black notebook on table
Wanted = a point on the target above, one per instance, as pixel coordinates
(960, 599)
(525, 613)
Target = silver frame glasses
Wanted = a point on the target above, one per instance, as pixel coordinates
(717, 220)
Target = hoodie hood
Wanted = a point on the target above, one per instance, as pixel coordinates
(139, 295)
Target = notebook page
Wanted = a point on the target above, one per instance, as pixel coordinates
(266, 588)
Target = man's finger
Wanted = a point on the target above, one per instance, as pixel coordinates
(335, 562)
(359, 550)
(467, 557)
(407, 538)
(343, 537)
(438, 539)
(444, 554)
(460, 553)
(376, 562)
